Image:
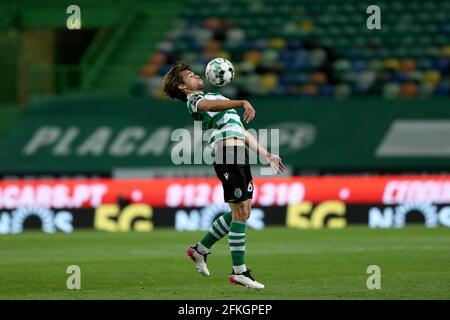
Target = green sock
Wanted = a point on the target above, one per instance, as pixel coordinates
(236, 241)
(218, 230)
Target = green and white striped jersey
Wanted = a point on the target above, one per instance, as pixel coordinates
(222, 125)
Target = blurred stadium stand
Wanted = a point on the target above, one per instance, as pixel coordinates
(283, 51)
(293, 47)
(115, 39)
(314, 48)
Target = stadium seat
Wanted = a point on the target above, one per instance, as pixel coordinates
(276, 44)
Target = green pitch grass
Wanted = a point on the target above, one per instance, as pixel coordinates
(293, 264)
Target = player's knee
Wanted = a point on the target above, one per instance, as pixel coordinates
(244, 217)
(243, 209)
(242, 213)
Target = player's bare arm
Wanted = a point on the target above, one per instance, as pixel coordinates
(273, 160)
(222, 105)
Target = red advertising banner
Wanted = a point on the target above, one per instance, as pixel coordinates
(198, 192)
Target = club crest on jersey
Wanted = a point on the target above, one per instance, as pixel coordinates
(237, 192)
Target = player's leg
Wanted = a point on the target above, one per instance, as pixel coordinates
(241, 206)
(199, 252)
(218, 230)
(236, 240)
(220, 227)
(238, 196)
(236, 237)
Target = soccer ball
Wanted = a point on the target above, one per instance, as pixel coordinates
(219, 72)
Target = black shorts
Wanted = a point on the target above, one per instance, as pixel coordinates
(236, 176)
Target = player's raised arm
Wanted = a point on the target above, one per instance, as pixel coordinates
(273, 160)
(222, 105)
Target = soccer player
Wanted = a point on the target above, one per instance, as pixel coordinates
(229, 139)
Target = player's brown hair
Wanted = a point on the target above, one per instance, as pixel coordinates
(173, 79)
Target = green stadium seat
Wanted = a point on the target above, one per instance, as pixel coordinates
(269, 35)
(391, 90)
(342, 91)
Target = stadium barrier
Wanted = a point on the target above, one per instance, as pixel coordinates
(192, 204)
(102, 134)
